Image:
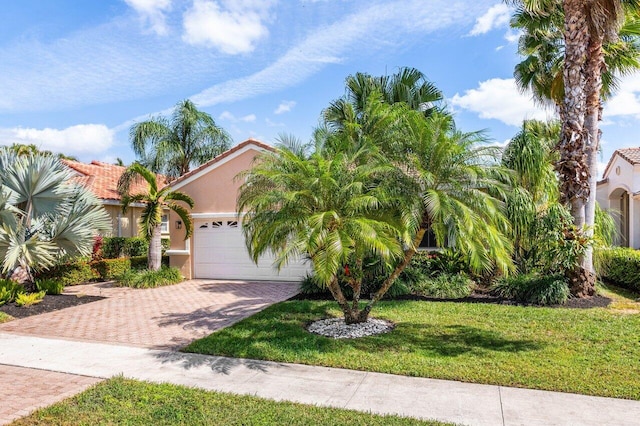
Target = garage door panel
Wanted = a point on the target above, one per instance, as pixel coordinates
(220, 252)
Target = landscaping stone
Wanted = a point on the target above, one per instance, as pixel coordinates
(336, 328)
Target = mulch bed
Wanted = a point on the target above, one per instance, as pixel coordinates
(49, 303)
(481, 296)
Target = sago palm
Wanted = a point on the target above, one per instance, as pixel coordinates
(155, 200)
(174, 145)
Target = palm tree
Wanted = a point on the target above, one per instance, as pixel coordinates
(335, 206)
(580, 39)
(408, 86)
(173, 145)
(44, 214)
(156, 200)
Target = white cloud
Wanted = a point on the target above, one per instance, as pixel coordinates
(230, 26)
(75, 140)
(153, 12)
(497, 16)
(227, 116)
(285, 106)
(271, 123)
(500, 99)
(626, 102)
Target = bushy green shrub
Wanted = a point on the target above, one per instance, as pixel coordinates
(114, 247)
(108, 269)
(9, 290)
(140, 262)
(621, 265)
(534, 289)
(50, 286)
(24, 299)
(444, 286)
(150, 279)
(69, 273)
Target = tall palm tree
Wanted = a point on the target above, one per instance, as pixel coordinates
(156, 200)
(44, 214)
(174, 145)
(579, 38)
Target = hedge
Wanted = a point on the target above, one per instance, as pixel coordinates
(108, 269)
(620, 265)
(69, 273)
(114, 247)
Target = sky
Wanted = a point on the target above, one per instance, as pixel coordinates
(75, 75)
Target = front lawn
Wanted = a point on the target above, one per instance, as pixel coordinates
(123, 401)
(588, 351)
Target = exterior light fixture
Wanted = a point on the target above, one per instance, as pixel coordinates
(178, 224)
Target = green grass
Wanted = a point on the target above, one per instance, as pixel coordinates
(123, 401)
(150, 279)
(587, 351)
(4, 317)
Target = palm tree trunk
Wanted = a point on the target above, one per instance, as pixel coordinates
(155, 249)
(573, 167)
(386, 285)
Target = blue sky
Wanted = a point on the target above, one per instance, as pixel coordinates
(76, 74)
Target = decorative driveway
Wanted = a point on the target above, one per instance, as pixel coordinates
(162, 318)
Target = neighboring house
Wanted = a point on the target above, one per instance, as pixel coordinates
(619, 193)
(217, 248)
(102, 179)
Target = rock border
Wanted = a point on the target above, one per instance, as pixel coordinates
(336, 328)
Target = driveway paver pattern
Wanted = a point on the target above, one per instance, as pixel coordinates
(162, 318)
(24, 390)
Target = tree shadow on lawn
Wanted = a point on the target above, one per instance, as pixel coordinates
(282, 335)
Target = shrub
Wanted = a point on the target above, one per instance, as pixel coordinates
(151, 279)
(115, 247)
(444, 286)
(310, 286)
(9, 290)
(109, 269)
(69, 273)
(50, 286)
(24, 299)
(96, 252)
(140, 262)
(620, 265)
(534, 289)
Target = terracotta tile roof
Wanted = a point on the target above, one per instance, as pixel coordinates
(102, 178)
(221, 157)
(631, 155)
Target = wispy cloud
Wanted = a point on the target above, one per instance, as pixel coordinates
(75, 140)
(227, 116)
(380, 26)
(496, 17)
(500, 99)
(285, 106)
(152, 13)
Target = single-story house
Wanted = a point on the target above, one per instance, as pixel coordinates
(217, 247)
(102, 179)
(619, 193)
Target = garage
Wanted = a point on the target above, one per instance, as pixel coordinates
(220, 253)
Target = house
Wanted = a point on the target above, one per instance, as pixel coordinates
(619, 193)
(102, 179)
(217, 247)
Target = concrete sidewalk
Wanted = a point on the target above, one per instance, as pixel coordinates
(463, 403)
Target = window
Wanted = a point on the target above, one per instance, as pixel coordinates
(216, 224)
(232, 224)
(164, 226)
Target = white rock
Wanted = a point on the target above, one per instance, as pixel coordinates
(336, 328)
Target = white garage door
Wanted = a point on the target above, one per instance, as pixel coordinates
(220, 252)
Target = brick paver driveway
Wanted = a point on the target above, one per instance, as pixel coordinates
(161, 318)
